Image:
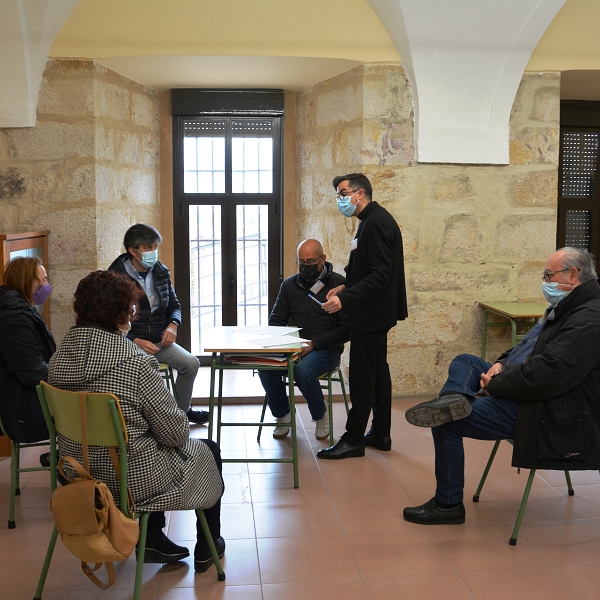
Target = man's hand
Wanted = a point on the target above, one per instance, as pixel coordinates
(335, 291)
(306, 348)
(147, 346)
(169, 335)
(487, 377)
(332, 305)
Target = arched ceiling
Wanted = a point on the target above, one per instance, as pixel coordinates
(189, 38)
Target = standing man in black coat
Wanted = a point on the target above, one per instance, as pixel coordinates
(159, 312)
(374, 297)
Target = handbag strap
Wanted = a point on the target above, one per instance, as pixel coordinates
(112, 451)
(89, 571)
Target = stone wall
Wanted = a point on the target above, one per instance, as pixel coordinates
(471, 233)
(86, 171)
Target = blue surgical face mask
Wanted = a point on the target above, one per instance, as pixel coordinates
(551, 292)
(345, 206)
(148, 259)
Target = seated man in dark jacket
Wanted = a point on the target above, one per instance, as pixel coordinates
(159, 312)
(544, 393)
(298, 304)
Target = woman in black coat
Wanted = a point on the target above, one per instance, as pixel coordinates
(26, 346)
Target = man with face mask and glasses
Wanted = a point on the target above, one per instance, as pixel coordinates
(543, 393)
(299, 304)
(374, 296)
(158, 312)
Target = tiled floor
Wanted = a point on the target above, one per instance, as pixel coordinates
(341, 534)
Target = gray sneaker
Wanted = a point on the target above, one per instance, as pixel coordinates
(322, 426)
(280, 431)
(438, 411)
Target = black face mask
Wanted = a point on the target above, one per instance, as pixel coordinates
(308, 272)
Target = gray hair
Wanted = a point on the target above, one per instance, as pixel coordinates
(582, 260)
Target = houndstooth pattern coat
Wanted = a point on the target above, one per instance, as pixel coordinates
(166, 469)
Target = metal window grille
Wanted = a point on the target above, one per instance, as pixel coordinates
(579, 164)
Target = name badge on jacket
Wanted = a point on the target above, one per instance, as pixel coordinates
(319, 285)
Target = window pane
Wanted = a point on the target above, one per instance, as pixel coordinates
(252, 272)
(252, 156)
(205, 272)
(578, 229)
(204, 156)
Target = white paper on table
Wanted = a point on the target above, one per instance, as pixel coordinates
(280, 340)
(266, 330)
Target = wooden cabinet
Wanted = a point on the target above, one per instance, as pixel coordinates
(33, 243)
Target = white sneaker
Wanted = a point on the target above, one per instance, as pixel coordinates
(322, 426)
(281, 432)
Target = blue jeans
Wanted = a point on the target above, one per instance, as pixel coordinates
(492, 418)
(306, 374)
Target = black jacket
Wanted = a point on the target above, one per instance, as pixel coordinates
(375, 295)
(151, 325)
(26, 346)
(294, 307)
(558, 388)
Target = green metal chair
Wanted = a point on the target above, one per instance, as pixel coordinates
(15, 469)
(327, 379)
(515, 533)
(166, 372)
(105, 427)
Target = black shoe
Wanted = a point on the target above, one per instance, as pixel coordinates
(380, 442)
(45, 462)
(203, 559)
(342, 450)
(160, 549)
(430, 514)
(197, 416)
(438, 411)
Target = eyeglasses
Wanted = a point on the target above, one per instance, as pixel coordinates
(547, 275)
(309, 263)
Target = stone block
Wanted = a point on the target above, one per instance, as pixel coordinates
(462, 240)
(438, 279)
(529, 283)
(105, 140)
(150, 146)
(128, 148)
(66, 96)
(534, 145)
(144, 110)
(308, 154)
(455, 189)
(525, 238)
(65, 281)
(388, 143)
(536, 188)
(62, 319)
(73, 235)
(111, 101)
(50, 140)
(348, 148)
(546, 104)
(339, 105)
(81, 183)
(387, 95)
(433, 323)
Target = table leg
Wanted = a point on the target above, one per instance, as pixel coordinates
(513, 332)
(220, 400)
(484, 333)
(293, 419)
(211, 402)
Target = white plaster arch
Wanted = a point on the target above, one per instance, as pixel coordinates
(27, 30)
(464, 60)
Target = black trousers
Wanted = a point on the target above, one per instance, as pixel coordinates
(370, 386)
(156, 520)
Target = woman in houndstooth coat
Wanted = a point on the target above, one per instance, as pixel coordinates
(167, 470)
